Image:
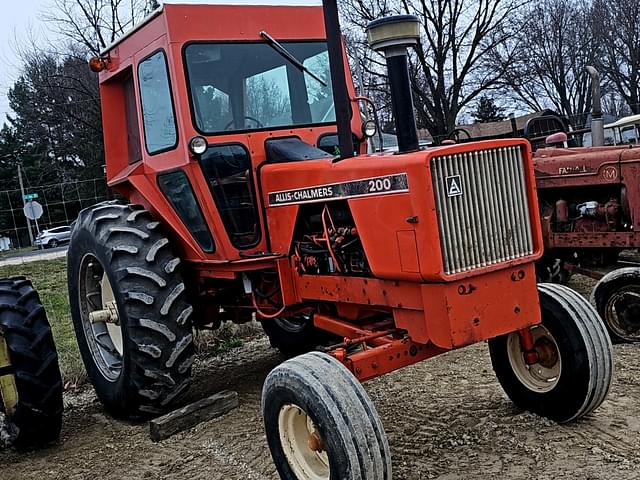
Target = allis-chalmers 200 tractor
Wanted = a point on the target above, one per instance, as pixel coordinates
(221, 127)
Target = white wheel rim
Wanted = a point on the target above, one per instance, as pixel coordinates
(297, 435)
(542, 376)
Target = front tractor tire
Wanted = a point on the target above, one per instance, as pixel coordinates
(129, 310)
(33, 375)
(321, 424)
(574, 367)
(617, 299)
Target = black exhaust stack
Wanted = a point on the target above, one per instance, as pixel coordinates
(341, 99)
(392, 35)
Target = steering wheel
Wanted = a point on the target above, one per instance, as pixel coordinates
(458, 134)
(246, 117)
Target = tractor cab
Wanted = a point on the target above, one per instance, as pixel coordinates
(206, 106)
(232, 133)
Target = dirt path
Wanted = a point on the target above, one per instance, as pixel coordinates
(446, 418)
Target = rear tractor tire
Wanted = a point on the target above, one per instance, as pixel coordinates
(574, 370)
(36, 419)
(294, 336)
(321, 424)
(552, 270)
(617, 299)
(129, 310)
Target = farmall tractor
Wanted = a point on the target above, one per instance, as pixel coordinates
(217, 122)
(590, 210)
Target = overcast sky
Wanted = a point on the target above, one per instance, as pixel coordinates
(17, 19)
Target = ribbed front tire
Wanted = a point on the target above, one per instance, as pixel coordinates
(321, 424)
(617, 299)
(575, 367)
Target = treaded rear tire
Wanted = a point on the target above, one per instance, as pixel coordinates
(26, 331)
(294, 338)
(340, 409)
(610, 285)
(585, 352)
(157, 337)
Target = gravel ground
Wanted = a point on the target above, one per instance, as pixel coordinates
(446, 418)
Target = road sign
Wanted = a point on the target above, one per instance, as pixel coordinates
(30, 196)
(32, 210)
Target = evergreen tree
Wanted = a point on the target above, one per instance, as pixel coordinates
(487, 111)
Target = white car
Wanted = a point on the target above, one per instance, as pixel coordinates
(53, 237)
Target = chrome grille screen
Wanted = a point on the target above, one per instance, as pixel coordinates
(482, 208)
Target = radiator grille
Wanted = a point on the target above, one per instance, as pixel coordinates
(482, 208)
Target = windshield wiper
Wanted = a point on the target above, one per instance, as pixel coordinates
(273, 43)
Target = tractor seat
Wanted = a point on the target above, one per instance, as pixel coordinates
(292, 149)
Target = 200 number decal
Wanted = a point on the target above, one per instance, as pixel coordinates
(379, 185)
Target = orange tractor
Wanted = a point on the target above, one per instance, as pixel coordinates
(234, 134)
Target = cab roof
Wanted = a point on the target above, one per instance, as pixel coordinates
(229, 20)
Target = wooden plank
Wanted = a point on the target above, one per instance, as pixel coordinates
(192, 414)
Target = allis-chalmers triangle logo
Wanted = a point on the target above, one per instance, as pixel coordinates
(453, 184)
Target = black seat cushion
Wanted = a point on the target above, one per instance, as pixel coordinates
(292, 149)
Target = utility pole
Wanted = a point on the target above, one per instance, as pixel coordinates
(24, 202)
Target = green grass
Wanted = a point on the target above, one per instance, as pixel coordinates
(220, 341)
(49, 277)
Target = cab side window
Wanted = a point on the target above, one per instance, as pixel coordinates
(131, 115)
(158, 118)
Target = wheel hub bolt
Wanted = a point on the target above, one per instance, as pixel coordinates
(316, 443)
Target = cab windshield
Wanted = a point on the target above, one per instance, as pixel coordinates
(250, 86)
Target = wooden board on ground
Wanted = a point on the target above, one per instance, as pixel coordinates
(192, 414)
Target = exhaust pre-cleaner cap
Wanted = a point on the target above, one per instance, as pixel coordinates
(394, 31)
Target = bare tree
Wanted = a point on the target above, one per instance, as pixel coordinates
(618, 33)
(96, 23)
(448, 67)
(615, 105)
(554, 44)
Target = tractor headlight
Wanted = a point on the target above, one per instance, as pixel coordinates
(198, 145)
(369, 128)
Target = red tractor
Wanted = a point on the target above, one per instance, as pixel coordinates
(590, 210)
(234, 136)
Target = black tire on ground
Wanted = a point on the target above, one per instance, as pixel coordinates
(32, 351)
(617, 299)
(315, 392)
(53, 243)
(576, 368)
(124, 245)
(294, 336)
